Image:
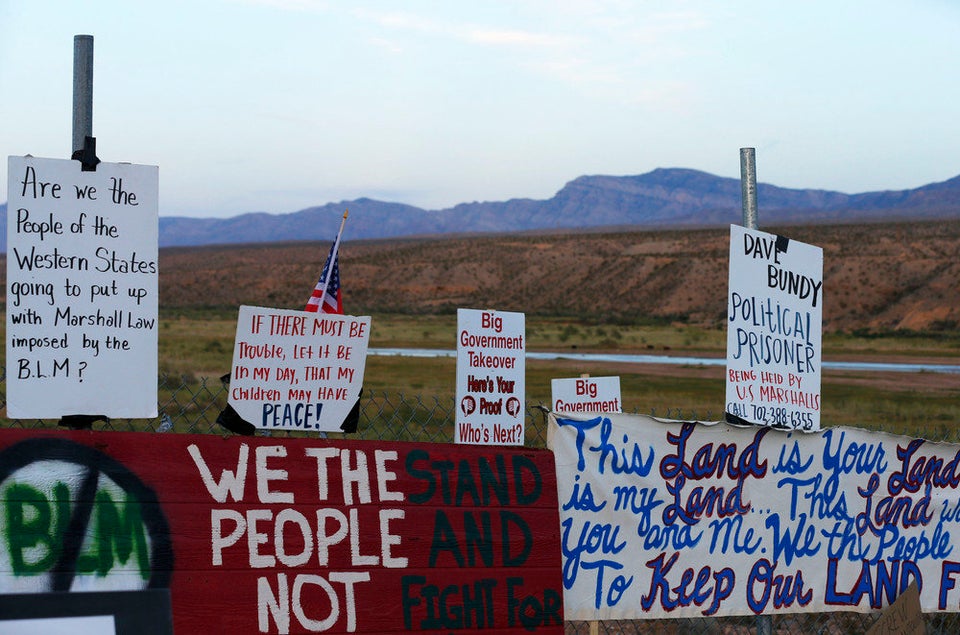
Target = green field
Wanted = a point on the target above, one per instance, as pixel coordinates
(196, 348)
(201, 345)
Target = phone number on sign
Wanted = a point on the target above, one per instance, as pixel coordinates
(782, 417)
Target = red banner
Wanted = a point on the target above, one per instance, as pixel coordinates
(287, 535)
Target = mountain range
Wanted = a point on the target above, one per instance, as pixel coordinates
(665, 197)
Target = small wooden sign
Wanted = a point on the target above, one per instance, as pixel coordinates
(903, 617)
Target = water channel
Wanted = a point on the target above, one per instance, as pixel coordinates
(617, 358)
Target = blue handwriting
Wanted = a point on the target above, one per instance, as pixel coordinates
(794, 463)
(658, 537)
(730, 529)
(856, 458)
(625, 459)
(915, 472)
(582, 500)
(692, 588)
(904, 511)
(787, 545)
(784, 589)
(594, 538)
(825, 503)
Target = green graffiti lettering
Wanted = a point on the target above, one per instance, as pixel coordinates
(118, 535)
(33, 533)
(35, 530)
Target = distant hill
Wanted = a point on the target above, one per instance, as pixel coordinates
(665, 197)
(661, 198)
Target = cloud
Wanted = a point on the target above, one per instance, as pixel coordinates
(464, 31)
(609, 43)
(289, 5)
(577, 70)
(403, 21)
(388, 45)
(518, 38)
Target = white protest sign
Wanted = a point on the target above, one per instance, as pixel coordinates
(491, 367)
(80, 625)
(586, 394)
(294, 370)
(774, 317)
(82, 280)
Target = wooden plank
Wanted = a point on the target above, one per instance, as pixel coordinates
(287, 535)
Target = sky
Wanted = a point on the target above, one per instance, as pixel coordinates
(279, 105)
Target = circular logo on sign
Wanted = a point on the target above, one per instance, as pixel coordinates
(468, 405)
(76, 519)
(513, 406)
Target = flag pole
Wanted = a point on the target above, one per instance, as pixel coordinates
(333, 259)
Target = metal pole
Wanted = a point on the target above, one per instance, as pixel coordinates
(764, 625)
(82, 90)
(748, 190)
(748, 186)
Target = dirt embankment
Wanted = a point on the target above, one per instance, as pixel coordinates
(876, 276)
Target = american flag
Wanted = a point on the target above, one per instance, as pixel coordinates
(330, 281)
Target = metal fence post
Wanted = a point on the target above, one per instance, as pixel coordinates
(748, 190)
(748, 187)
(82, 90)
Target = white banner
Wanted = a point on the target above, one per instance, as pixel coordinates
(82, 278)
(774, 322)
(679, 519)
(296, 370)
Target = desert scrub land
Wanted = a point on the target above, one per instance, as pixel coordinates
(892, 294)
(877, 277)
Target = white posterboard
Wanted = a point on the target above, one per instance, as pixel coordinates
(294, 370)
(586, 395)
(491, 363)
(81, 625)
(82, 279)
(774, 318)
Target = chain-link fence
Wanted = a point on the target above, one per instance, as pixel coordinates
(190, 404)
